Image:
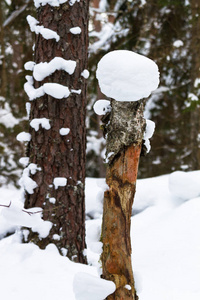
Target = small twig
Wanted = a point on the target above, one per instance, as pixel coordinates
(6, 205)
(30, 213)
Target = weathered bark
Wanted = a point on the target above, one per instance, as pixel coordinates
(61, 156)
(124, 142)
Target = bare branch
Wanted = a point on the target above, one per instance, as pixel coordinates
(6, 205)
(15, 14)
(30, 213)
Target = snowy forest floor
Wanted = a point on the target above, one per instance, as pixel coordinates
(165, 247)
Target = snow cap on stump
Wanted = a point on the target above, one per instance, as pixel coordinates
(127, 76)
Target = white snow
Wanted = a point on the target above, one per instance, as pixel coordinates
(28, 109)
(101, 107)
(64, 131)
(23, 137)
(76, 91)
(25, 181)
(31, 218)
(85, 74)
(44, 122)
(197, 82)
(6, 116)
(109, 33)
(127, 76)
(72, 2)
(24, 161)
(50, 2)
(31, 91)
(45, 32)
(184, 185)
(44, 69)
(48, 34)
(52, 200)
(75, 30)
(90, 287)
(143, 2)
(149, 131)
(56, 237)
(178, 43)
(59, 181)
(165, 243)
(193, 97)
(29, 65)
(56, 90)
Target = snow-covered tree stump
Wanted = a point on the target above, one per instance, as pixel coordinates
(127, 77)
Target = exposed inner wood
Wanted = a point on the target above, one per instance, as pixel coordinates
(118, 200)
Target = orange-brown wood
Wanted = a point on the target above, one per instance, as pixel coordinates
(116, 257)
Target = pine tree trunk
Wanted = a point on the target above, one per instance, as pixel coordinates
(124, 142)
(57, 155)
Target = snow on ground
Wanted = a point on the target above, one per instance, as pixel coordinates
(165, 241)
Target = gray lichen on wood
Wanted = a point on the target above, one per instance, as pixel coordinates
(126, 126)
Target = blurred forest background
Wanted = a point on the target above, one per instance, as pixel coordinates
(167, 31)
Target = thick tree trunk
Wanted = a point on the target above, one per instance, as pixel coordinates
(57, 155)
(124, 141)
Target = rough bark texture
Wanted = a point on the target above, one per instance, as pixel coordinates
(125, 126)
(124, 139)
(57, 155)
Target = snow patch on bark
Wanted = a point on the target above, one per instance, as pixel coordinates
(53, 2)
(31, 91)
(75, 30)
(44, 69)
(149, 131)
(55, 90)
(44, 122)
(101, 107)
(59, 181)
(85, 74)
(64, 131)
(25, 181)
(39, 29)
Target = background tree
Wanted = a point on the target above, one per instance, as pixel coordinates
(15, 50)
(152, 28)
(57, 150)
(165, 32)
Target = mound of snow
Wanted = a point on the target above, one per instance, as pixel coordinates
(101, 107)
(127, 76)
(89, 287)
(184, 185)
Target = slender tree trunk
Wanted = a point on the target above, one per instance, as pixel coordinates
(195, 114)
(3, 66)
(124, 142)
(57, 155)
